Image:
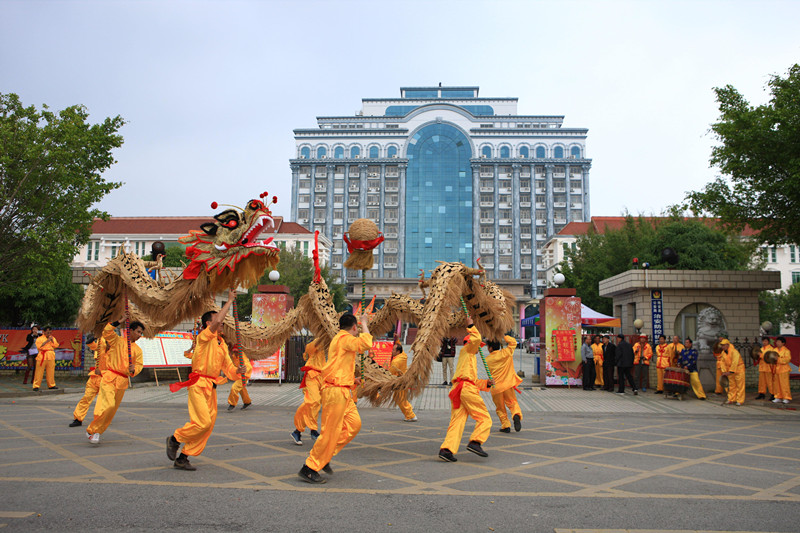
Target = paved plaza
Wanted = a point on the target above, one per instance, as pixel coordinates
(584, 461)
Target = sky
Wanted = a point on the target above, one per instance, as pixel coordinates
(211, 91)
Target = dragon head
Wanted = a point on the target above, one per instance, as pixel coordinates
(228, 250)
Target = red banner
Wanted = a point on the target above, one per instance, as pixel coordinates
(68, 353)
(565, 345)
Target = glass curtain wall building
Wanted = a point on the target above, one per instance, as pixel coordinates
(447, 175)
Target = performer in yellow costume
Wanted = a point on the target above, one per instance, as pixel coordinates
(597, 350)
(398, 367)
(782, 369)
(209, 359)
(239, 386)
(732, 365)
(501, 365)
(466, 401)
(766, 372)
(311, 385)
(340, 419)
(114, 383)
(642, 354)
(46, 360)
(718, 389)
(99, 348)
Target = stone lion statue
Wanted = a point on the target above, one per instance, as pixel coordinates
(709, 324)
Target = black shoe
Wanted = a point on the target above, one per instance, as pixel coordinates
(771, 396)
(314, 435)
(505, 430)
(75, 423)
(475, 447)
(635, 392)
(761, 396)
(184, 464)
(659, 392)
(231, 407)
(310, 476)
(53, 387)
(445, 383)
(450, 383)
(36, 389)
(245, 406)
(296, 437)
(327, 469)
(447, 455)
(172, 448)
(517, 423)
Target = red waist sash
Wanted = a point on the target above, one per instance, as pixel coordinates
(117, 373)
(305, 370)
(455, 394)
(194, 377)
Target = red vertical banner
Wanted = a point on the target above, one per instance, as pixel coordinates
(565, 345)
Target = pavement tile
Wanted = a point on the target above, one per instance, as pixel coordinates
(725, 474)
(671, 485)
(578, 472)
(637, 461)
(774, 464)
(510, 482)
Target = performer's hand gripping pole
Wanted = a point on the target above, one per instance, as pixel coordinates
(480, 350)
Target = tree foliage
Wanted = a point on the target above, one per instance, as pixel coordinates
(51, 166)
(760, 156)
(699, 245)
(297, 272)
(51, 299)
(782, 307)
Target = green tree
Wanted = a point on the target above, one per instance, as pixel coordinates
(782, 307)
(52, 299)
(759, 153)
(297, 272)
(175, 256)
(51, 166)
(699, 245)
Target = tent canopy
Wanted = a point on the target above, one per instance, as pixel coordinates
(589, 318)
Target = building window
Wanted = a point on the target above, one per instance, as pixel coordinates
(115, 246)
(305, 152)
(373, 152)
(505, 152)
(540, 152)
(575, 152)
(392, 151)
(524, 152)
(558, 153)
(773, 255)
(338, 153)
(305, 248)
(793, 253)
(355, 151)
(486, 152)
(92, 251)
(321, 152)
(795, 277)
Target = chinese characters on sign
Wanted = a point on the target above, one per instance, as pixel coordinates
(657, 307)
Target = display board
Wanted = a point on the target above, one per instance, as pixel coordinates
(562, 314)
(166, 349)
(267, 310)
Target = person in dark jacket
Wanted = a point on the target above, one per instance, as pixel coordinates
(609, 362)
(624, 355)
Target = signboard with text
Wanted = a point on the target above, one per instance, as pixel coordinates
(657, 309)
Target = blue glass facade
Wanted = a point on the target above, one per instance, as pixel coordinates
(438, 198)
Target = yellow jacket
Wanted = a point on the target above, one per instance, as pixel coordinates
(672, 351)
(313, 356)
(597, 349)
(501, 365)
(247, 364)
(467, 367)
(731, 360)
(47, 348)
(399, 364)
(100, 349)
(118, 356)
(763, 366)
(784, 356)
(211, 357)
(638, 353)
(341, 366)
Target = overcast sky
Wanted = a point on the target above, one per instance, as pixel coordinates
(211, 91)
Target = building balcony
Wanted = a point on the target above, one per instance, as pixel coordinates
(320, 188)
(524, 189)
(390, 250)
(541, 222)
(318, 203)
(524, 221)
(302, 205)
(560, 204)
(392, 203)
(524, 235)
(540, 190)
(541, 205)
(373, 189)
(575, 176)
(487, 174)
(541, 236)
(505, 252)
(524, 174)
(505, 267)
(391, 220)
(304, 190)
(487, 189)
(488, 266)
(576, 206)
(526, 266)
(559, 189)
(505, 236)
(541, 283)
(392, 189)
(353, 188)
(487, 204)
(319, 220)
(525, 251)
(352, 203)
(485, 251)
(487, 235)
(504, 190)
(337, 222)
(504, 205)
(487, 221)
(337, 266)
(524, 204)
(391, 235)
(575, 191)
(505, 221)
(389, 265)
(559, 175)
(560, 221)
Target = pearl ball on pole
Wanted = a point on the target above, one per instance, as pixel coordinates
(274, 276)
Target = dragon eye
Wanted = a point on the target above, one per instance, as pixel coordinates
(256, 204)
(232, 223)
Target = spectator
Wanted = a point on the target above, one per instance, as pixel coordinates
(587, 357)
(624, 354)
(609, 362)
(30, 349)
(446, 354)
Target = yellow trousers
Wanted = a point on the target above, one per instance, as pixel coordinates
(507, 398)
(598, 369)
(697, 387)
(400, 399)
(108, 399)
(719, 389)
(202, 415)
(660, 376)
(92, 388)
(471, 405)
(736, 388)
(781, 386)
(340, 424)
(48, 367)
(306, 415)
(766, 382)
(237, 388)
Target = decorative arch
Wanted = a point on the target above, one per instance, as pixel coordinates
(374, 152)
(505, 151)
(355, 151)
(486, 151)
(305, 152)
(322, 151)
(558, 152)
(338, 152)
(524, 151)
(541, 153)
(391, 151)
(575, 152)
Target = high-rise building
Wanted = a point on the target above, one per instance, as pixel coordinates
(446, 175)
